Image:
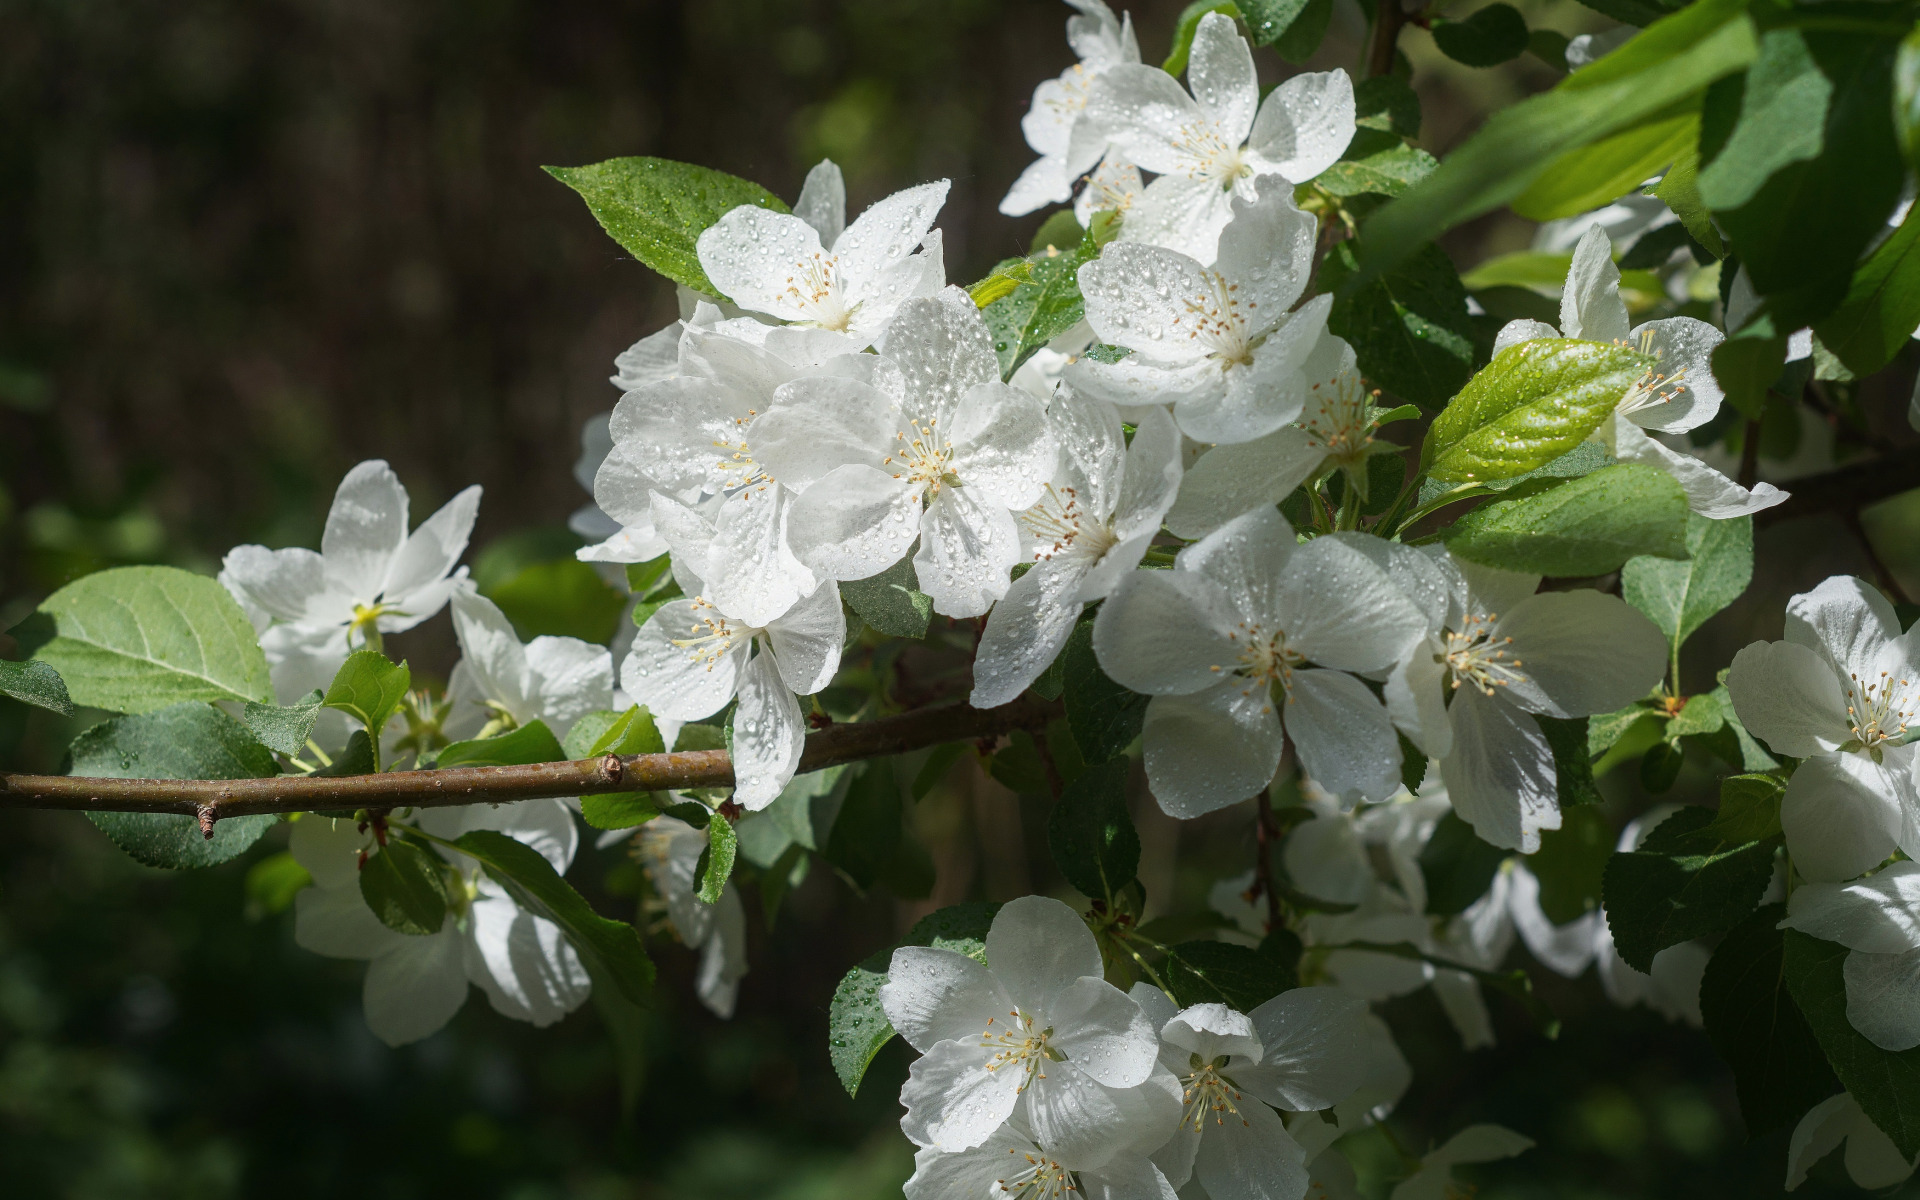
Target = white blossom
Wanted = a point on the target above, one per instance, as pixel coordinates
(1092, 525)
(1301, 1051)
(1842, 692)
(691, 658)
(923, 441)
(1873, 1161)
(500, 683)
(416, 982)
(1101, 40)
(1878, 919)
(1474, 1144)
(1505, 653)
(1677, 394)
(669, 850)
(1011, 1164)
(1223, 644)
(853, 283)
(1214, 145)
(1036, 1031)
(1217, 342)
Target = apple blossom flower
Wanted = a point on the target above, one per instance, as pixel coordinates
(1217, 342)
(1878, 919)
(1213, 146)
(1678, 395)
(1223, 644)
(1873, 1161)
(1302, 1051)
(416, 982)
(1011, 1163)
(691, 658)
(1035, 1033)
(1051, 125)
(1506, 653)
(1089, 529)
(500, 683)
(922, 441)
(1474, 1144)
(669, 850)
(779, 263)
(1843, 693)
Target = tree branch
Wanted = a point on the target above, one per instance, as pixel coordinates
(1847, 489)
(1388, 19)
(211, 799)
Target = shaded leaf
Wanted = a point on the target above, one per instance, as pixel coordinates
(1585, 526)
(891, 602)
(1091, 833)
(1409, 326)
(1104, 717)
(35, 683)
(1679, 595)
(284, 729)
(1223, 973)
(1684, 882)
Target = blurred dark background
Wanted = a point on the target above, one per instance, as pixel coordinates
(245, 245)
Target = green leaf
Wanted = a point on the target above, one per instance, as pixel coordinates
(1585, 526)
(629, 732)
(185, 741)
(1808, 225)
(1680, 192)
(1061, 231)
(1387, 103)
(1680, 595)
(530, 743)
(356, 759)
(1186, 25)
(1091, 833)
(1550, 47)
(1660, 766)
(1381, 168)
(272, 883)
(1684, 882)
(35, 683)
(1045, 304)
(891, 602)
(1747, 363)
(136, 639)
(1533, 403)
(628, 1028)
(936, 767)
(657, 209)
(620, 810)
(406, 887)
(284, 729)
(1749, 809)
(857, 1026)
(1702, 715)
(716, 861)
(1598, 174)
(1757, 1028)
(611, 950)
(1488, 37)
(1882, 308)
(368, 688)
(1018, 766)
(1268, 19)
(562, 598)
(1104, 717)
(1409, 327)
(1670, 61)
(1571, 863)
(1457, 866)
(1307, 30)
(1630, 12)
(1572, 765)
(1782, 110)
(1223, 973)
(866, 833)
(1886, 1083)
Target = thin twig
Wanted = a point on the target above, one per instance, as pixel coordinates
(213, 799)
(1749, 453)
(1388, 20)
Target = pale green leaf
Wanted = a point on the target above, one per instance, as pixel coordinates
(1680, 595)
(1580, 527)
(1533, 403)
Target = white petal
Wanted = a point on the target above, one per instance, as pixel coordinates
(1075, 1119)
(573, 678)
(1709, 493)
(752, 575)
(496, 662)
(329, 849)
(769, 735)
(1522, 330)
(1037, 947)
(1591, 306)
(1143, 111)
(289, 584)
(1165, 632)
(1093, 453)
(1466, 1008)
(1345, 739)
(1564, 949)
(1305, 124)
(365, 529)
(976, 1172)
(622, 486)
(1212, 749)
(1581, 652)
(1002, 447)
(723, 956)
(1684, 347)
(414, 988)
(1416, 699)
(1230, 480)
(1045, 181)
(1342, 611)
(649, 360)
(953, 1101)
(887, 233)
(1324, 858)
(1261, 397)
(524, 964)
(1221, 76)
(669, 679)
(1212, 1031)
(1818, 1133)
(1250, 1157)
(1500, 775)
(1140, 382)
(336, 922)
(1883, 998)
(1786, 695)
(943, 349)
(934, 995)
(1852, 623)
(1138, 297)
(427, 556)
(854, 523)
(1480, 1143)
(750, 254)
(1841, 815)
(1315, 1040)
(1126, 1177)
(823, 201)
(968, 546)
(819, 423)
(1151, 479)
(1025, 632)
(808, 640)
(1877, 915)
(1245, 557)
(1103, 1033)
(1873, 1161)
